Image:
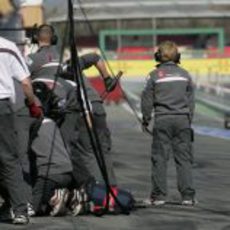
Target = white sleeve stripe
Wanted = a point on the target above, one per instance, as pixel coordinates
(72, 83)
(171, 79)
(46, 81)
(51, 64)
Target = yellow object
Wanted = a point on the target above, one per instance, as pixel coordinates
(137, 69)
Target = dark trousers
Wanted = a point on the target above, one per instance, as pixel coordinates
(84, 162)
(85, 147)
(10, 168)
(23, 125)
(104, 137)
(71, 134)
(172, 134)
(43, 190)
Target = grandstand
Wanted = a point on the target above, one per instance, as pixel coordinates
(133, 9)
(147, 14)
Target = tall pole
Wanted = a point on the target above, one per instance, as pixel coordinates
(154, 38)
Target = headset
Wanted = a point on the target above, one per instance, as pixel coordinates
(158, 57)
(36, 31)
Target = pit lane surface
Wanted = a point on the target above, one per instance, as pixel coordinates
(131, 153)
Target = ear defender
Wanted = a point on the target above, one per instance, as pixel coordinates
(177, 58)
(157, 56)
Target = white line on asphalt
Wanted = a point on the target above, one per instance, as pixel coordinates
(133, 95)
(128, 109)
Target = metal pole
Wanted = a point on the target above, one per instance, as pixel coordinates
(119, 38)
(154, 26)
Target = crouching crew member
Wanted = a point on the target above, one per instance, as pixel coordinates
(169, 92)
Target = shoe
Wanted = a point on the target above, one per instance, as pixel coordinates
(6, 212)
(58, 202)
(154, 202)
(158, 202)
(20, 219)
(30, 210)
(78, 202)
(190, 202)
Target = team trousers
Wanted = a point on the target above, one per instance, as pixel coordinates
(11, 175)
(172, 134)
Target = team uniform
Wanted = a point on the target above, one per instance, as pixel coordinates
(101, 126)
(43, 64)
(169, 92)
(12, 66)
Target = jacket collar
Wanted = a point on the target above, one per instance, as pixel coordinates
(166, 63)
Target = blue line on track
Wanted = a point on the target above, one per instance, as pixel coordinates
(212, 132)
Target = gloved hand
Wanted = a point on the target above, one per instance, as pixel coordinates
(35, 110)
(110, 83)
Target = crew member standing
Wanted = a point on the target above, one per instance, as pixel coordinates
(99, 115)
(12, 66)
(169, 92)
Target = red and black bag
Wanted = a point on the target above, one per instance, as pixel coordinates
(119, 200)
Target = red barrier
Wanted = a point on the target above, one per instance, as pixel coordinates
(215, 54)
(115, 96)
(134, 53)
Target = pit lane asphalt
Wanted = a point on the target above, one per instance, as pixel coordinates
(131, 153)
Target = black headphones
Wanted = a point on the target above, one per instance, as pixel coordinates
(34, 39)
(158, 57)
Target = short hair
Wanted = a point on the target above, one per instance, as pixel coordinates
(168, 51)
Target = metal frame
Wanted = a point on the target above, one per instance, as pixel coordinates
(218, 31)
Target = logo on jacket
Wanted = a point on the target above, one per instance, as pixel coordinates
(160, 73)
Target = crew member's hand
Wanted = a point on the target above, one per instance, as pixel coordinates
(110, 83)
(35, 110)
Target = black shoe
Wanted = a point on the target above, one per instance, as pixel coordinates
(6, 212)
(20, 219)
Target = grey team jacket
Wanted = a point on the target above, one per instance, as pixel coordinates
(45, 61)
(169, 91)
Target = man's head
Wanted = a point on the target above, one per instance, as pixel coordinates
(45, 35)
(167, 51)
